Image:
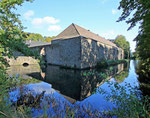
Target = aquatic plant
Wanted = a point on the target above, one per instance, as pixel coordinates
(127, 101)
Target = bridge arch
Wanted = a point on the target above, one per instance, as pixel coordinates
(22, 60)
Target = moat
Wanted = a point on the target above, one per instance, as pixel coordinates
(76, 86)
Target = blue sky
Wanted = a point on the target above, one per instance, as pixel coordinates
(50, 17)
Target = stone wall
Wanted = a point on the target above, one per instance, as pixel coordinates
(64, 52)
(80, 52)
(20, 60)
(93, 51)
(120, 54)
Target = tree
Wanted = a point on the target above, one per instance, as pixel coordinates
(141, 14)
(10, 39)
(37, 37)
(121, 42)
(49, 39)
(33, 36)
(11, 30)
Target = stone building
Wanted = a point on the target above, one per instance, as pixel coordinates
(77, 47)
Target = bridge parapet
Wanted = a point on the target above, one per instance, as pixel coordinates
(21, 60)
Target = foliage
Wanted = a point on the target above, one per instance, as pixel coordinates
(36, 37)
(49, 39)
(7, 84)
(127, 102)
(11, 32)
(138, 12)
(103, 63)
(11, 29)
(121, 76)
(121, 42)
(144, 70)
(10, 39)
(134, 55)
(33, 37)
(56, 108)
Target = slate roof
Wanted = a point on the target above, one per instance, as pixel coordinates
(75, 31)
(36, 43)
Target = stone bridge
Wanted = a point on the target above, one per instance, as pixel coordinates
(27, 60)
(22, 60)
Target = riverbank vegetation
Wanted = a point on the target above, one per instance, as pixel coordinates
(127, 101)
(103, 63)
(138, 12)
(10, 39)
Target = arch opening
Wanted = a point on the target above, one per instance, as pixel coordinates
(25, 64)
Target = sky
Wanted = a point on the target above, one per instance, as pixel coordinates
(51, 17)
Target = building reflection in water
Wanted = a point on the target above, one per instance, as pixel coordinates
(23, 70)
(74, 85)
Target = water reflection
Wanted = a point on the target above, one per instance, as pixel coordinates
(99, 101)
(74, 85)
(23, 70)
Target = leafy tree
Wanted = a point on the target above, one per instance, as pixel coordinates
(11, 30)
(122, 43)
(134, 12)
(10, 39)
(33, 36)
(134, 55)
(49, 39)
(37, 37)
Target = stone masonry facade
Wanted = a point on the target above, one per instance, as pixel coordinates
(76, 48)
(65, 53)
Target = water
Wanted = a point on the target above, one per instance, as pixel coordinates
(76, 87)
(99, 101)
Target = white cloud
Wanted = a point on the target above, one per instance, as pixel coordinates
(28, 14)
(50, 20)
(109, 34)
(103, 1)
(54, 28)
(39, 22)
(114, 11)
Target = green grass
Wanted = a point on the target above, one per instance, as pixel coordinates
(105, 63)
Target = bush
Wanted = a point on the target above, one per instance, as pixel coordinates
(128, 103)
(103, 63)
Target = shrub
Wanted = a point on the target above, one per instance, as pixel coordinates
(102, 63)
(128, 103)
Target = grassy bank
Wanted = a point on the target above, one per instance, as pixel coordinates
(105, 63)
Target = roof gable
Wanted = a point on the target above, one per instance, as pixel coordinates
(69, 32)
(75, 31)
